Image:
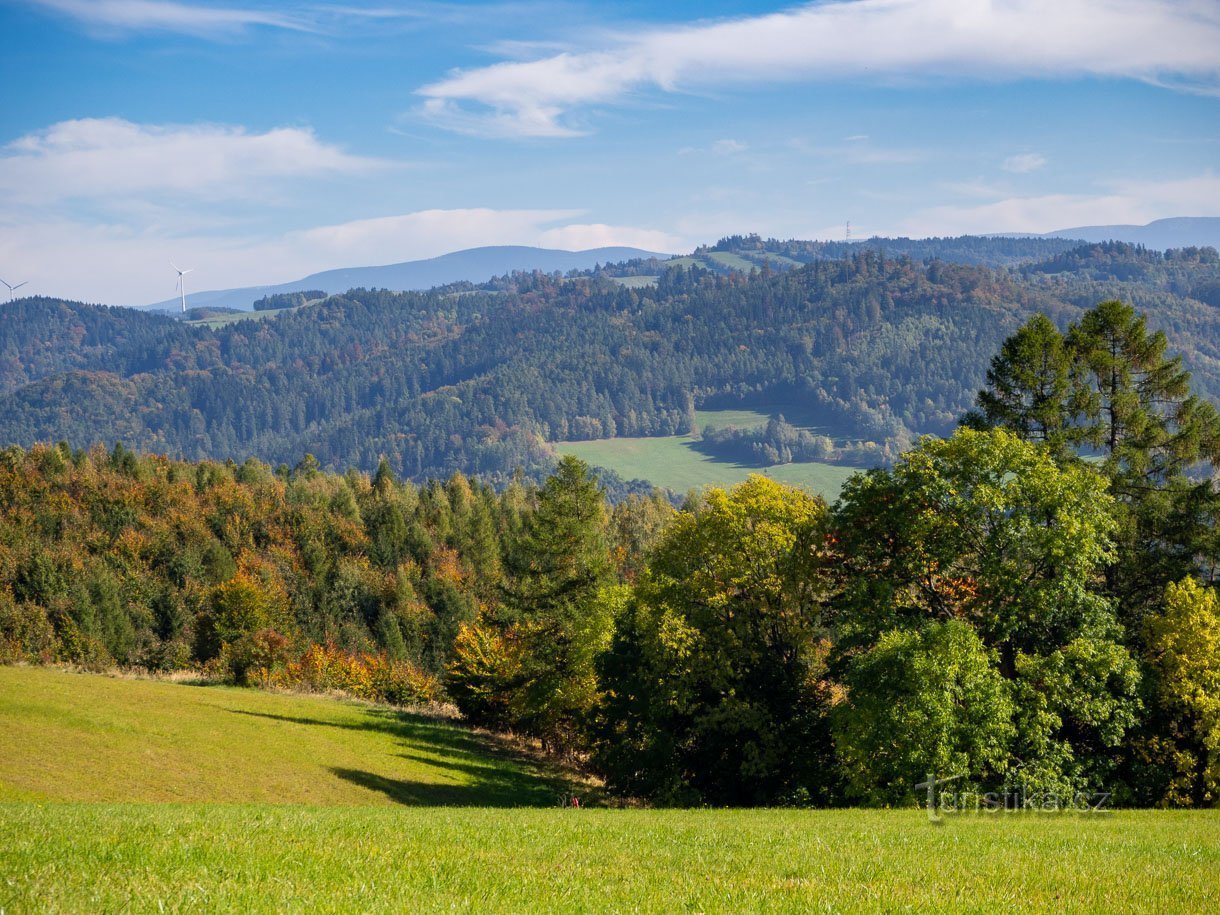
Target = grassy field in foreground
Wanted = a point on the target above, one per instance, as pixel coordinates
(379, 811)
(259, 858)
(674, 463)
(82, 737)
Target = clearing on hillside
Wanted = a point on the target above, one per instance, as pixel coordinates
(674, 462)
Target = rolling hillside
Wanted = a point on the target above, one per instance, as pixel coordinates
(485, 379)
(474, 265)
(83, 737)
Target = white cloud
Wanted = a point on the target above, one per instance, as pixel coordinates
(1023, 163)
(168, 16)
(729, 147)
(582, 237)
(1123, 203)
(124, 266)
(1167, 42)
(110, 158)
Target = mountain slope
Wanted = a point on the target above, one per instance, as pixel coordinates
(1160, 235)
(475, 265)
(876, 349)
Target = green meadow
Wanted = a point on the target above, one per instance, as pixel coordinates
(82, 737)
(674, 462)
(292, 803)
(265, 858)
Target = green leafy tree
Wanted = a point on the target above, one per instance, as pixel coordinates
(923, 701)
(983, 527)
(714, 689)
(988, 529)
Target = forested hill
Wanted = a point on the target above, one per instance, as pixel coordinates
(480, 378)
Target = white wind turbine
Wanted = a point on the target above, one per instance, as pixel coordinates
(182, 285)
(12, 288)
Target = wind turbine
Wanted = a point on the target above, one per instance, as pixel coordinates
(182, 285)
(12, 288)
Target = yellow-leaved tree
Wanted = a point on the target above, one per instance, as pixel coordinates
(1183, 642)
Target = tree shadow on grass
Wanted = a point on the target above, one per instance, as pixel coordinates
(489, 789)
(491, 773)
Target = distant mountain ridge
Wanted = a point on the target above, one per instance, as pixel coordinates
(1161, 234)
(875, 348)
(476, 265)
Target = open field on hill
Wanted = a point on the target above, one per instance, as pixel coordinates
(674, 463)
(635, 282)
(82, 737)
(222, 320)
(265, 314)
(735, 261)
(274, 858)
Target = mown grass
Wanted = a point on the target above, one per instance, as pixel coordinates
(84, 737)
(734, 261)
(313, 804)
(263, 315)
(262, 858)
(673, 462)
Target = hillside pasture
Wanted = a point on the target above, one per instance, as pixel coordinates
(83, 737)
(676, 463)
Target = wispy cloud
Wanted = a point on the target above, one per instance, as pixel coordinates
(167, 16)
(109, 158)
(1023, 163)
(1166, 42)
(729, 147)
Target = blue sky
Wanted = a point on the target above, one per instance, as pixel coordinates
(257, 142)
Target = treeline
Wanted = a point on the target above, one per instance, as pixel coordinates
(480, 379)
(109, 557)
(1027, 605)
(288, 299)
(779, 442)
(964, 249)
(995, 609)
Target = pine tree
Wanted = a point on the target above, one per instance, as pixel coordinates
(1109, 387)
(557, 572)
(1029, 385)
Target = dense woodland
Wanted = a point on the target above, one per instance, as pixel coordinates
(1027, 604)
(877, 346)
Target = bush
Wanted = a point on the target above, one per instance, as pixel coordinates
(376, 677)
(25, 632)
